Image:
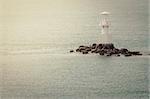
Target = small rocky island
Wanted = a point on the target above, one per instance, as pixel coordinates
(105, 50)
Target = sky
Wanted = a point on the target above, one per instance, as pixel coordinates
(26, 21)
(29, 20)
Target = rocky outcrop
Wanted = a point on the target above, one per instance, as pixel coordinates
(105, 50)
(71, 51)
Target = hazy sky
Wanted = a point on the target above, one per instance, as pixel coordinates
(25, 21)
(33, 20)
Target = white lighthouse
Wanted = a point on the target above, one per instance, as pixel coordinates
(105, 26)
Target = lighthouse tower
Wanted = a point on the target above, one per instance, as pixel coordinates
(105, 26)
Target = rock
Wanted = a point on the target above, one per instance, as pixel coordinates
(118, 55)
(93, 51)
(115, 51)
(127, 55)
(111, 46)
(123, 51)
(77, 50)
(101, 53)
(139, 54)
(104, 46)
(81, 46)
(94, 44)
(135, 53)
(88, 49)
(105, 49)
(85, 48)
(71, 51)
(97, 50)
(108, 46)
(108, 54)
(99, 46)
(84, 52)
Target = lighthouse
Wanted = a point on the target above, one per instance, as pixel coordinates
(105, 27)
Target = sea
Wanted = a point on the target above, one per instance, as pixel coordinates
(37, 35)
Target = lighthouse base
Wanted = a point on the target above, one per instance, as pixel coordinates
(105, 38)
(107, 49)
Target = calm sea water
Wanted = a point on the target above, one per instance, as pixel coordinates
(37, 37)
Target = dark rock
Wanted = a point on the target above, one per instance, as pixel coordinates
(81, 46)
(135, 53)
(118, 55)
(100, 46)
(127, 55)
(101, 53)
(111, 46)
(105, 49)
(81, 49)
(123, 51)
(108, 54)
(93, 51)
(140, 54)
(93, 47)
(105, 46)
(71, 51)
(77, 50)
(88, 49)
(98, 50)
(84, 52)
(85, 48)
(115, 51)
(94, 44)
(108, 46)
